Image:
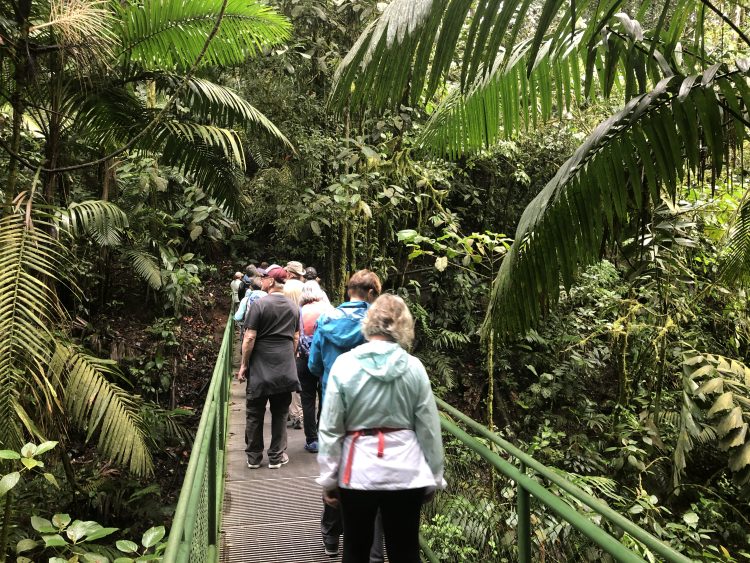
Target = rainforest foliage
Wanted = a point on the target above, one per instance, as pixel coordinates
(556, 188)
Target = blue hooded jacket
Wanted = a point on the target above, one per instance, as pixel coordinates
(337, 332)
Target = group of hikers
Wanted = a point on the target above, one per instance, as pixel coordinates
(375, 429)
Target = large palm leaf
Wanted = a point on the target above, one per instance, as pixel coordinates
(30, 261)
(100, 407)
(409, 51)
(41, 376)
(165, 34)
(634, 155)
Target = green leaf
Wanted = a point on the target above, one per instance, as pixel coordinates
(42, 525)
(741, 458)
(26, 544)
(715, 385)
(28, 450)
(725, 402)
(91, 557)
(196, 232)
(55, 540)
(8, 482)
(152, 536)
(690, 518)
(9, 454)
(79, 529)
(100, 533)
(127, 546)
(31, 463)
(730, 422)
(61, 520)
(52, 480)
(44, 447)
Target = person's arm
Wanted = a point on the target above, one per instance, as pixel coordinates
(252, 320)
(427, 425)
(248, 343)
(315, 361)
(331, 433)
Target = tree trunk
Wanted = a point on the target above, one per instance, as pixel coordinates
(20, 79)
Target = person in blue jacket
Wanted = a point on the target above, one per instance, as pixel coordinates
(337, 332)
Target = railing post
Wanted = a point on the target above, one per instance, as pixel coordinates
(212, 502)
(523, 529)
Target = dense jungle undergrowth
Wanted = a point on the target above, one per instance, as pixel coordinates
(558, 189)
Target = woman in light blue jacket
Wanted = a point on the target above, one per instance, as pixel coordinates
(379, 436)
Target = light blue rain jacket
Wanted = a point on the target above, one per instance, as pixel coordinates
(380, 385)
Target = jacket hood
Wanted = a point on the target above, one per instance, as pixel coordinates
(384, 360)
(342, 326)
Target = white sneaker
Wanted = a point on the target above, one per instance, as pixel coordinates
(253, 465)
(284, 460)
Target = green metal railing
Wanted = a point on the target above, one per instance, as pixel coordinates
(197, 520)
(528, 487)
(195, 532)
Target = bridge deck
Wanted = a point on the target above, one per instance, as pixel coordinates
(270, 515)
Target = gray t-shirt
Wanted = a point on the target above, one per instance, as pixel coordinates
(272, 368)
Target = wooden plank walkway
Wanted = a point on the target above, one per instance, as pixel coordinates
(270, 515)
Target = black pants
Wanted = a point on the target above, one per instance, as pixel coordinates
(310, 391)
(400, 511)
(255, 412)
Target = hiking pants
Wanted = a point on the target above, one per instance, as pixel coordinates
(400, 512)
(255, 412)
(310, 392)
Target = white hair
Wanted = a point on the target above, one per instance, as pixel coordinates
(293, 290)
(312, 292)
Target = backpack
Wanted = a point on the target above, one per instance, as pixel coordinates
(242, 290)
(305, 343)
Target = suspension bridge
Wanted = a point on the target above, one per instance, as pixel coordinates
(229, 513)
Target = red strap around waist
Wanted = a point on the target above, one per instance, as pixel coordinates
(355, 434)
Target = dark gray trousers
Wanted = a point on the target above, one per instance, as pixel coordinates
(310, 392)
(255, 412)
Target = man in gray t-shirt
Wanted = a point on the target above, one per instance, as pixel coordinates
(271, 334)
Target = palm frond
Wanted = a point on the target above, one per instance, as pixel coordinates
(407, 53)
(199, 154)
(506, 101)
(211, 103)
(30, 261)
(736, 264)
(633, 155)
(158, 34)
(110, 116)
(213, 156)
(81, 22)
(102, 220)
(146, 266)
(98, 406)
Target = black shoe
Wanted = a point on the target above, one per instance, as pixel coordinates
(331, 546)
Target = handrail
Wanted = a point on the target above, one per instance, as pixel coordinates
(528, 485)
(197, 521)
